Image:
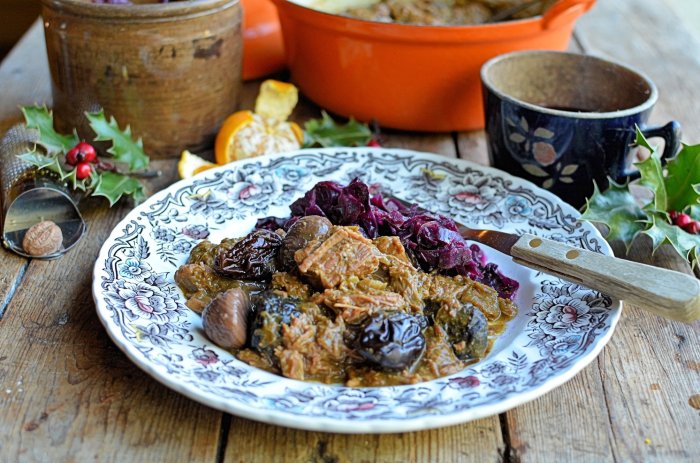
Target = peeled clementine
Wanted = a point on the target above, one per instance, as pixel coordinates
(246, 134)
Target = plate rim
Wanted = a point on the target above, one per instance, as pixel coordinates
(325, 424)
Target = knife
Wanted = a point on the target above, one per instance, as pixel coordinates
(664, 292)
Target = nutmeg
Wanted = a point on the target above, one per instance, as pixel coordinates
(42, 239)
(225, 319)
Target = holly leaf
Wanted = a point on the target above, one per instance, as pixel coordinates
(41, 161)
(652, 175)
(41, 119)
(124, 148)
(52, 164)
(82, 185)
(325, 132)
(617, 209)
(686, 244)
(694, 212)
(683, 179)
(113, 185)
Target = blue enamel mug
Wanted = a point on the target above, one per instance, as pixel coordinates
(565, 121)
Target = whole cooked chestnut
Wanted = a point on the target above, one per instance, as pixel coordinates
(303, 231)
(225, 319)
(251, 258)
(466, 328)
(393, 341)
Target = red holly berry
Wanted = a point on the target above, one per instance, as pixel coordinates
(693, 227)
(680, 219)
(82, 152)
(82, 170)
(374, 143)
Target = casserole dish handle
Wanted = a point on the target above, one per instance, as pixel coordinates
(565, 12)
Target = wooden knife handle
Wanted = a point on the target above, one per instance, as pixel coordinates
(664, 292)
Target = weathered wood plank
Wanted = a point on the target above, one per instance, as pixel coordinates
(67, 393)
(479, 441)
(21, 82)
(650, 367)
(569, 423)
(427, 142)
(472, 147)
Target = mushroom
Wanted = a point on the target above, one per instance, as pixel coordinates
(303, 231)
(225, 319)
(466, 328)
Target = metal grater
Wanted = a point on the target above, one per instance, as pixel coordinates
(30, 196)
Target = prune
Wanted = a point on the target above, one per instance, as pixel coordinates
(270, 312)
(393, 341)
(252, 258)
(299, 235)
(466, 328)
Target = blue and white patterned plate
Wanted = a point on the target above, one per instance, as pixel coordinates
(560, 328)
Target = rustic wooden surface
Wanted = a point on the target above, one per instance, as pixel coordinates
(68, 394)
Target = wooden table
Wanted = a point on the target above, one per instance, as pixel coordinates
(68, 394)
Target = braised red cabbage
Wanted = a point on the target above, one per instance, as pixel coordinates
(432, 240)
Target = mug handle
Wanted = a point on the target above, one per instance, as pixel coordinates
(671, 133)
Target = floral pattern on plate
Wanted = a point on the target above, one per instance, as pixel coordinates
(560, 327)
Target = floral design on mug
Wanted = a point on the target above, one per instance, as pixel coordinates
(538, 145)
(561, 172)
(544, 153)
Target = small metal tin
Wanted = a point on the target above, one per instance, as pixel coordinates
(30, 196)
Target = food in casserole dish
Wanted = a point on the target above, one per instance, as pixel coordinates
(430, 12)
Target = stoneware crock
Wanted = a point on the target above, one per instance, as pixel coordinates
(170, 71)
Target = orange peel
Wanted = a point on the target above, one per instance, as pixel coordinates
(191, 164)
(245, 134)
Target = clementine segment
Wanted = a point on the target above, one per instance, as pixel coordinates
(191, 164)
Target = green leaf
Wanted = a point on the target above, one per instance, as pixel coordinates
(617, 209)
(683, 179)
(41, 161)
(52, 164)
(678, 190)
(652, 175)
(686, 244)
(113, 186)
(82, 185)
(325, 132)
(124, 148)
(41, 119)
